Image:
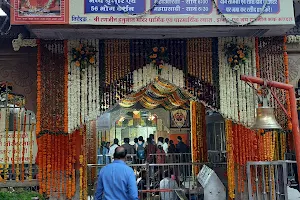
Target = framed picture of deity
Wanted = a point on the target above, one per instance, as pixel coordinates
(39, 11)
(180, 118)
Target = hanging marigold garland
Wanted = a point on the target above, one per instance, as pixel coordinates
(198, 131)
(54, 157)
(230, 158)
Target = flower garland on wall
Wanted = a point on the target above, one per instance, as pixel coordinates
(83, 84)
(237, 100)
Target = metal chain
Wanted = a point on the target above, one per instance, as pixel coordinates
(136, 15)
(232, 22)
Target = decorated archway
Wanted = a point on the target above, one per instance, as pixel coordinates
(79, 91)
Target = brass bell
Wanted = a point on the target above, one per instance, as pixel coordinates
(265, 119)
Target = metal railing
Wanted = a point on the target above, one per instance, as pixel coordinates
(269, 180)
(151, 179)
(27, 184)
(213, 157)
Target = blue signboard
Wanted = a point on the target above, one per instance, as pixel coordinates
(248, 6)
(182, 7)
(115, 6)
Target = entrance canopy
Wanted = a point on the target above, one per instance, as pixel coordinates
(159, 93)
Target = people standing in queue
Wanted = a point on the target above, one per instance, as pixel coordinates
(117, 181)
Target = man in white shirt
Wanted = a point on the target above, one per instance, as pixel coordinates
(160, 141)
(168, 183)
(166, 145)
(113, 148)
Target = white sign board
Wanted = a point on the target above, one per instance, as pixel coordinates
(181, 12)
(204, 175)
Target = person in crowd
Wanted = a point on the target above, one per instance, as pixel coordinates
(150, 149)
(113, 148)
(105, 153)
(136, 140)
(160, 155)
(117, 180)
(99, 153)
(140, 150)
(166, 145)
(142, 183)
(172, 148)
(160, 141)
(151, 136)
(129, 148)
(168, 183)
(181, 147)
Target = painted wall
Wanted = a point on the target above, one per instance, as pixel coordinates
(19, 68)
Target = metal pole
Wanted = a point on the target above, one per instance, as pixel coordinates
(293, 106)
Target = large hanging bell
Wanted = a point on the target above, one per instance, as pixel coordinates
(265, 119)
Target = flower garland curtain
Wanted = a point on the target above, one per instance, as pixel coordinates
(237, 99)
(144, 76)
(199, 74)
(56, 159)
(243, 145)
(198, 134)
(115, 71)
(83, 85)
(273, 65)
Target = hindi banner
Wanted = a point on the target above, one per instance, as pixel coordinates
(181, 12)
(40, 11)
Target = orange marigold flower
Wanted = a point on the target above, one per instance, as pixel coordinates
(77, 63)
(155, 49)
(92, 60)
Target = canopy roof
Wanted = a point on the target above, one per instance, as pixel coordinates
(159, 93)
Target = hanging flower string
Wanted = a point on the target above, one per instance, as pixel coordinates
(84, 55)
(237, 54)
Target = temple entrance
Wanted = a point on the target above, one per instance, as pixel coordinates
(184, 135)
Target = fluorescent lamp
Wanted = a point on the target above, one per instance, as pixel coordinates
(2, 13)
